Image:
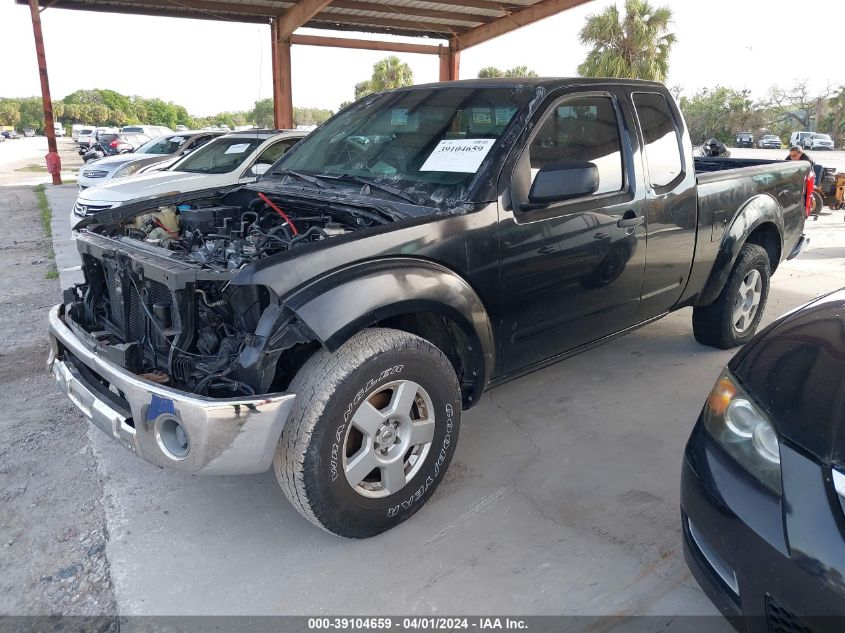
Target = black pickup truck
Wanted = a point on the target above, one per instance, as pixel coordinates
(422, 246)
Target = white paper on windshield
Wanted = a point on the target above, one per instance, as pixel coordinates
(177, 139)
(462, 156)
(240, 148)
(399, 116)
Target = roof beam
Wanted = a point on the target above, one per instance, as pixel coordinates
(513, 21)
(410, 24)
(193, 8)
(402, 11)
(490, 5)
(371, 45)
(298, 15)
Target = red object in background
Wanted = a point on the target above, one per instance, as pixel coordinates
(113, 144)
(54, 163)
(809, 186)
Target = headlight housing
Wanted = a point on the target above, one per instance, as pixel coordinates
(127, 171)
(743, 430)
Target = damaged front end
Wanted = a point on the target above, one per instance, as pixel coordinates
(159, 298)
(163, 350)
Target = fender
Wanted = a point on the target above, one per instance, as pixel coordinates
(337, 305)
(758, 210)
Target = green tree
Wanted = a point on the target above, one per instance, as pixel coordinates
(636, 46)
(363, 88)
(388, 73)
(520, 71)
(720, 113)
(310, 116)
(489, 72)
(516, 71)
(262, 114)
(391, 72)
(32, 113)
(9, 113)
(74, 113)
(99, 114)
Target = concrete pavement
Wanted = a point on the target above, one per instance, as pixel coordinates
(562, 497)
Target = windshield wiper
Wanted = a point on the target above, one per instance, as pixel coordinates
(393, 191)
(301, 176)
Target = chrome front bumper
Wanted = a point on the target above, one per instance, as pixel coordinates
(218, 436)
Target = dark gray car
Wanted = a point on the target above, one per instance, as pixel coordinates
(159, 150)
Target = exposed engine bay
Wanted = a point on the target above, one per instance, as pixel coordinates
(228, 237)
(159, 301)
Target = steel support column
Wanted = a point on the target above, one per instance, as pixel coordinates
(45, 92)
(450, 62)
(285, 107)
(277, 85)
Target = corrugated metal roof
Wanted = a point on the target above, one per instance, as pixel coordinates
(424, 18)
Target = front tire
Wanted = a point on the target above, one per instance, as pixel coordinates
(733, 318)
(371, 434)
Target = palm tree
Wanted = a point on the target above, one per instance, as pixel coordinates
(636, 47)
(391, 72)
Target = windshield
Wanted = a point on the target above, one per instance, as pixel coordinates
(219, 156)
(428, 144)
(822, 137)
(87, 130)
(162, 145)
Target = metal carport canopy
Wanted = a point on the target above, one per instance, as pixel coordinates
(459, 24)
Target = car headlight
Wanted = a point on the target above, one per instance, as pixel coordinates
(127, 171)
(743, 430)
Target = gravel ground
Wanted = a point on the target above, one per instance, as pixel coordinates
(52, 526)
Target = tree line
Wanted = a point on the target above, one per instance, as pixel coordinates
(110, 108)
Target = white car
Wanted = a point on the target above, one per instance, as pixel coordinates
(86, 136)
(153, 131)
(229, 160)
(819, 141)
(159, 153)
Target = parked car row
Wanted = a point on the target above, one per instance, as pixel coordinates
(812, 140)
(179, 163)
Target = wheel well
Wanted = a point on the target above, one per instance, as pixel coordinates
(438, 330)
(767, 236)
(448, 337)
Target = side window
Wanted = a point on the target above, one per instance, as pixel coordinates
(586, 129)
(199, 141)
(661, 136)
(275, 151)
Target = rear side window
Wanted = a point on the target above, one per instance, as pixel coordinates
(661, 136)
(583, 128)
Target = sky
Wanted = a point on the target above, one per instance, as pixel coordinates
(211, 67)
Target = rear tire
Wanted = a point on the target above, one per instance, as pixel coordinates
(817, 205)
(371, 434)
(732, 319)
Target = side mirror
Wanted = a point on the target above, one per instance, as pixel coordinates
(563, 180)
(259, 168)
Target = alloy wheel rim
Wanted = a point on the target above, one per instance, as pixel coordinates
(747, 302)
(388, 439)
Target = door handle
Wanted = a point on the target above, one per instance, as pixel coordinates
(545, 250)
(628, 221)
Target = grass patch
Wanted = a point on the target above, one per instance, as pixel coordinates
(44, 210)
(33, 169)
(51, 274)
